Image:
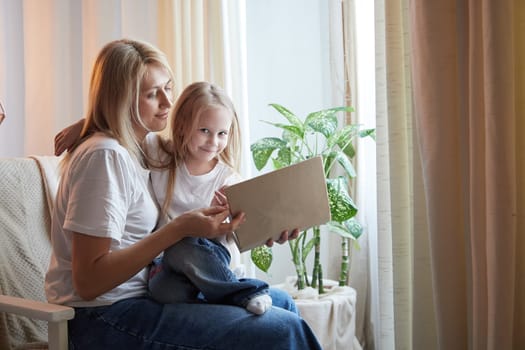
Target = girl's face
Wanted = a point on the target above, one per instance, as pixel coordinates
(155, 100)
(210, 136)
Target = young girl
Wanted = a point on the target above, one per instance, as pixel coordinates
(200, 160)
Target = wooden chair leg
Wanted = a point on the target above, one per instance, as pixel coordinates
(57, 335)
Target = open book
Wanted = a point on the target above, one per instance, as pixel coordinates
(284, 199)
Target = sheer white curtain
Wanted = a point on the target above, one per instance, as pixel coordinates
(391, 271)
(49, 46)
(404, 318)
(352, 78)
(205, 40)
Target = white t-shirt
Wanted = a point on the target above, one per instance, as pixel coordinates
(194, 191)
(104, 192)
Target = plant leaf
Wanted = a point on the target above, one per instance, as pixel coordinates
(284, 158)
(263, 149)
(349, 150)
(339, 229)
(342, 206)
(262, 257)
(293, 129)
(368, 132)
(354, 227)
(349, 229)
(329, 112)
(328, 159)
(324, 122)
(344, 161)
(292, 118)
(346, 135)
(343, 139)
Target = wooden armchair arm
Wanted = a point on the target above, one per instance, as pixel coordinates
(55, 315)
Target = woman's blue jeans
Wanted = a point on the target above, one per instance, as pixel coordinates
(198, 269)
(142, 323)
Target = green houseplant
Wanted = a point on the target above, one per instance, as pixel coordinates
(319, 134)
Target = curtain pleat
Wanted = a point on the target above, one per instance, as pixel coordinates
(344, 82)
(468, 81)
(435, 67)
(39, 51)
(182, 30)
(405, 310)
(519, 105)
(382, 308)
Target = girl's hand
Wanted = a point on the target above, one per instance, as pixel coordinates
(206, 222)
(284, 237)
(67, 137)
(219, 198)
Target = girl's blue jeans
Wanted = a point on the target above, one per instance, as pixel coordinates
(142, 323)
(198, 269)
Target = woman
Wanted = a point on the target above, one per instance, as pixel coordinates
(103, 223)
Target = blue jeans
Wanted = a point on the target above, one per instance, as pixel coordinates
(197, 269)
(142, 323)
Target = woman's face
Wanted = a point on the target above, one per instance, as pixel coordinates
(155, 100)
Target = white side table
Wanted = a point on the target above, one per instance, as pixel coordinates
(331, 315)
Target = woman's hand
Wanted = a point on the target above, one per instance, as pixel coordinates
(67, 137)
(209, 223)
(285, 237)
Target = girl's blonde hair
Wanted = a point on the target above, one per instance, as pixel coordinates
(192, 102)
(114, 91)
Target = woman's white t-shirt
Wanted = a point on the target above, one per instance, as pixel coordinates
(104, 192)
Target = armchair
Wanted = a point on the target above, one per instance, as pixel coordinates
(27, 321)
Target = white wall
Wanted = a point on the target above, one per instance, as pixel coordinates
(288, 63)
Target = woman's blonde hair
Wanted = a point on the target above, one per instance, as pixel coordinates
(195, 99)
(114, 91)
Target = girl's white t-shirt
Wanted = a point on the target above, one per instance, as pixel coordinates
(194, 191)
(104, 192)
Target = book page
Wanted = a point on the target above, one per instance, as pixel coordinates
(284, 199)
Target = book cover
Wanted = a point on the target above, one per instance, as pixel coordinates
(283, 199)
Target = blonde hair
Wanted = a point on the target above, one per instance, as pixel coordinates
(114, 92)
(192, 102)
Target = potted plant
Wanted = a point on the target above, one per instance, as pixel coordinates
(319, 134)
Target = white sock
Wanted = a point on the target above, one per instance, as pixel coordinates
(259, 304)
